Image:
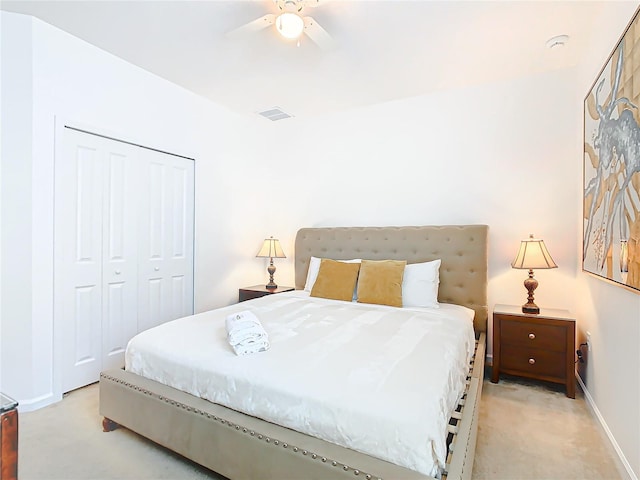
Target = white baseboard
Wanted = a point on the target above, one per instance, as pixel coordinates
(37, 402)
(596, 412)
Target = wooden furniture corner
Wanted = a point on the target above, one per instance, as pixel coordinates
(257, 291)
(8, 438)
(537, 346)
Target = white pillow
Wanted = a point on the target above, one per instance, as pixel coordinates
(312, 273)
(314, 267)
(420, 284)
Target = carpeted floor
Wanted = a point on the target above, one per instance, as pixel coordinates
(526, 431)
(65, 441)
(531, 430)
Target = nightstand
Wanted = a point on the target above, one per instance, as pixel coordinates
(257, 291)
(538, 346)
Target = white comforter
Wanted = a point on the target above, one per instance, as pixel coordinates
(380, 380)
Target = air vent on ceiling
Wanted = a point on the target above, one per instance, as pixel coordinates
(274, 114)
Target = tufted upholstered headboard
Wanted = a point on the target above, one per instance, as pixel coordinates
(462, 249)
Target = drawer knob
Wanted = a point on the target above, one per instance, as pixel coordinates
(532, 361)
(532, 336)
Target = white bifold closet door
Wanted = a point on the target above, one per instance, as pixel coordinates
(166, 239)
(123, 249)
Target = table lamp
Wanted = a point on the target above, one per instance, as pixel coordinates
(271, 249)
(533, 254)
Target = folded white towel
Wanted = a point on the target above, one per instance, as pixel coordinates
(246, 348)
(245, 333)
(252, 333)
(244, 326)
(240, 320)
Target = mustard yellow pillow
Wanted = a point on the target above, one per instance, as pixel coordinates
(380, 282)
(336, 280)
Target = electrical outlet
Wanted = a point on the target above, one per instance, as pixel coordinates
(589, 341)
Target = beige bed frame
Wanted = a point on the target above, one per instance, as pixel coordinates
(239, 446)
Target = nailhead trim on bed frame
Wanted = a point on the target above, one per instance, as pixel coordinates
(237, 427)
(453, 427)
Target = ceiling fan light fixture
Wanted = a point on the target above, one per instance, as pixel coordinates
(289, 25)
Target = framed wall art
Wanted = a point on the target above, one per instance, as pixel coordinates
(611, 173)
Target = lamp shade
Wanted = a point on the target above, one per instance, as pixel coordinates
(533, 254)
(271, 249)
(289, 25)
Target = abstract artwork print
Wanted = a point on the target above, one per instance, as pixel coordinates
(611, 174)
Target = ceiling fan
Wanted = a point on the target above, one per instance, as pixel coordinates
(290, 23)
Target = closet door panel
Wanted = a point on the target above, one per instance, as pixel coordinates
(120, 240)
(166, 240)
(157, 212)
(181, 246)
(85, 346)
(78, 258)
(153, 289)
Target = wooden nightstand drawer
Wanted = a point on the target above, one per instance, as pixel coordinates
(533, 335)
(532, 362)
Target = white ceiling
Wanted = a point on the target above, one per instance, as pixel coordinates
(385, 49)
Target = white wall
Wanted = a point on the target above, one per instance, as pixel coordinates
(48, 74)
(610, 313)
(15, 203)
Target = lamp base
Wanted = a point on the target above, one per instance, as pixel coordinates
(530, 284)
(271, 269)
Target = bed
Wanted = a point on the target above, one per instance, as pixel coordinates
(241, 445)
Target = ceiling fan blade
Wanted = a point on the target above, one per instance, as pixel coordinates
(253, 26)
(318, 34)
